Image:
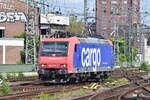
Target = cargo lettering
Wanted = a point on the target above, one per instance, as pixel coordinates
(91, 57)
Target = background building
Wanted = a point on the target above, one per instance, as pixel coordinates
(13, 21)
(12, 18)
(52, 24)
(115, 17)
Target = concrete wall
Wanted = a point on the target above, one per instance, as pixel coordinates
(16, 68)
(146, 52)
(1, 54)
(10, 50)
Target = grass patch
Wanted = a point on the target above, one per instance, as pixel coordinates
(109, 79)
(63, 95)
(14, 75)
(20, 75)
(11, 75)
(109, 82)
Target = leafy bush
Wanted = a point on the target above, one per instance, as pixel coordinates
(109, 79)
(21, 35)
(15, 75)
(11, 75)
(5, 88)
(20, 75)
(144, 67)
(1, 77)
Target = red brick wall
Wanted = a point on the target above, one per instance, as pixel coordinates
(1, 54)
(122, 20)
(13, 54)
(13, 29)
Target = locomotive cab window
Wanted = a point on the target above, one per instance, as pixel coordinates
(54, 49)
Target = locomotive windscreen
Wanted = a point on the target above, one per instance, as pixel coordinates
(54, 49)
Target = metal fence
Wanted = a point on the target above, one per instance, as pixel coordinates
(4, 68)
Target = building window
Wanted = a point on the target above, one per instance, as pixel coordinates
(124, 21)
(124, 8)
(125, 2)
(114, 8)
(124, 13)
(104, 27)
(114, 28)
(114, 2)
(114, 21)
(103, 11)
(104, 32)
(2, 33)
(104, 2)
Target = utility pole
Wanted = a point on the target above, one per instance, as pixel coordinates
(85, 18)
(130, 34)
(43, 6)
(31, 33)
(32, 30)
(85, 12)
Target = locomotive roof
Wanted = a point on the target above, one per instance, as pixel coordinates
(81, 40)
(93, 40)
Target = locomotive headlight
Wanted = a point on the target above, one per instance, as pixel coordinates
(43, 65)
(63, 65)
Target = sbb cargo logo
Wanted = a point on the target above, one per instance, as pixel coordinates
(91, 57)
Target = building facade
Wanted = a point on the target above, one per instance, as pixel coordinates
(53, 24)
(115, 17)
(145, 55)
(10, 49)
(13, 21)
(12, 18)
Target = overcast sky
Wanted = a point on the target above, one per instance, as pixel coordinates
(145, 7)
(77, 6)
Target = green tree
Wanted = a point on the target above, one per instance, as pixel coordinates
(76, 26)
(21, 35)
(123, 56)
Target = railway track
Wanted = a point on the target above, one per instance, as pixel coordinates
(124, 92)
(29, 92)
(142, 87)
(22, 79)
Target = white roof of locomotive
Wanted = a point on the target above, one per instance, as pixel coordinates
(93, 40)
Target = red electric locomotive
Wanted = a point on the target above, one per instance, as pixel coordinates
(72, 59)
